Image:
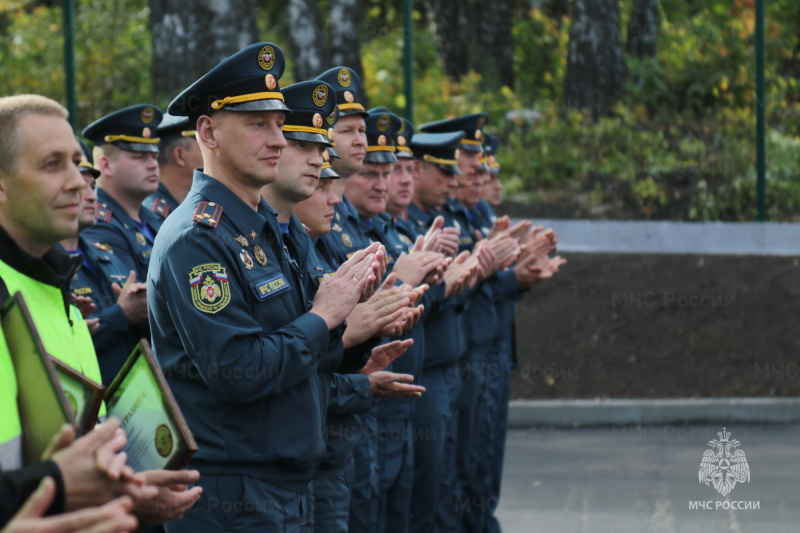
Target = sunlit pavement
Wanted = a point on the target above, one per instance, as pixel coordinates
(629, 479)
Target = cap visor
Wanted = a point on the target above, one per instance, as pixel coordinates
(328, 173)
(93, 171)
(470, 147)
(348, 112)
(450, 169)
(403, 154)
(333, 153)
(379, 157)
(306, 136)
(271, 104)
(136, 147)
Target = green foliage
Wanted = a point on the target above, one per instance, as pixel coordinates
(112, 62)
(679, 145)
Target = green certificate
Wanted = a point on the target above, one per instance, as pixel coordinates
(43, 406)
(158, 437)
(84, 395)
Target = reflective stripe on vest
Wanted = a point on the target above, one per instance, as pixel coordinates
(11, 454)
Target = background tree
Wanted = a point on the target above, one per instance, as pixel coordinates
(189, 40)
(643, 29)
(595, 67)
(494, 56)
(345, 38)
(450, 21)
(308, 47)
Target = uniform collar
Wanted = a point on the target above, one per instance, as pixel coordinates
(55, 268)
(119, 212)
(244, 218)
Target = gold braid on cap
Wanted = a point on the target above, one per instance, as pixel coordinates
(219, 104)
(431, 159)
(304, 129)
(130, 139)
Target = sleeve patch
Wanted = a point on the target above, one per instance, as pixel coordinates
(208, 284)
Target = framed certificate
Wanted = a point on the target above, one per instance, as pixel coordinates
(84, 395)
(43, 406)
(139, 396)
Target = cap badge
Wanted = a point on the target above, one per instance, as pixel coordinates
(320, 95)
(383, 122)
(146, 133)
(481, 121)
(317, 120)
(478, 135)
(382, 140)
(147, 115)
(401, 140)
(331, 119)
(330, 134)
(266, 57)
(349, 97)
(344, 77)
(270, 81)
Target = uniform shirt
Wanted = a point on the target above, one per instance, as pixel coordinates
(231, 330)
(115, 339)
(161, 202)
(346, 236)
(116, 230)
(444, 339)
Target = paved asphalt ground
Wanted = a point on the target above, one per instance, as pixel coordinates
(643, 479)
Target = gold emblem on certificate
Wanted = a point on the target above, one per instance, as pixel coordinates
(163, 440)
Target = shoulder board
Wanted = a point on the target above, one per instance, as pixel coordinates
(101, 246)
(308, 230)
(160, 207)
(103, 212)
(207, 214)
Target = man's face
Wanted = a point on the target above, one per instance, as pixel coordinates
(351, 142)
(469, 192)
(249, 145)
(298, 170)
(470, 182)
(493, 190)
(432, 186)
(88, 207)
(135, 173)
(368, 189)
(40, 199)
(317, 211)
(401, 187)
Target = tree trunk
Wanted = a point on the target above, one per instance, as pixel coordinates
(306, 44)
(344, 37)
(595, 67)
(494, 58)
(451, 22)
(643, 29)
(188, 42)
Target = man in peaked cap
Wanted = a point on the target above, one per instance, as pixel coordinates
(238, 338)
(348, 122)
(125, 153)
(119, 318)
(178, 156)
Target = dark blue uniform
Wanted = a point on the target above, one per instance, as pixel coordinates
(161, 202)
(115, 339)
(131, 241)
(228, 307)
(395, 429)
(434, 412)
(503, 360)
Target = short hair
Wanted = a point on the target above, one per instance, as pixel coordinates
(109, 150)
(12, 109)
(165, 148)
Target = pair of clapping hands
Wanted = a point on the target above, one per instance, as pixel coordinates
(102, 493)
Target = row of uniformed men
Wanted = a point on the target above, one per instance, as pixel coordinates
(297, 183)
